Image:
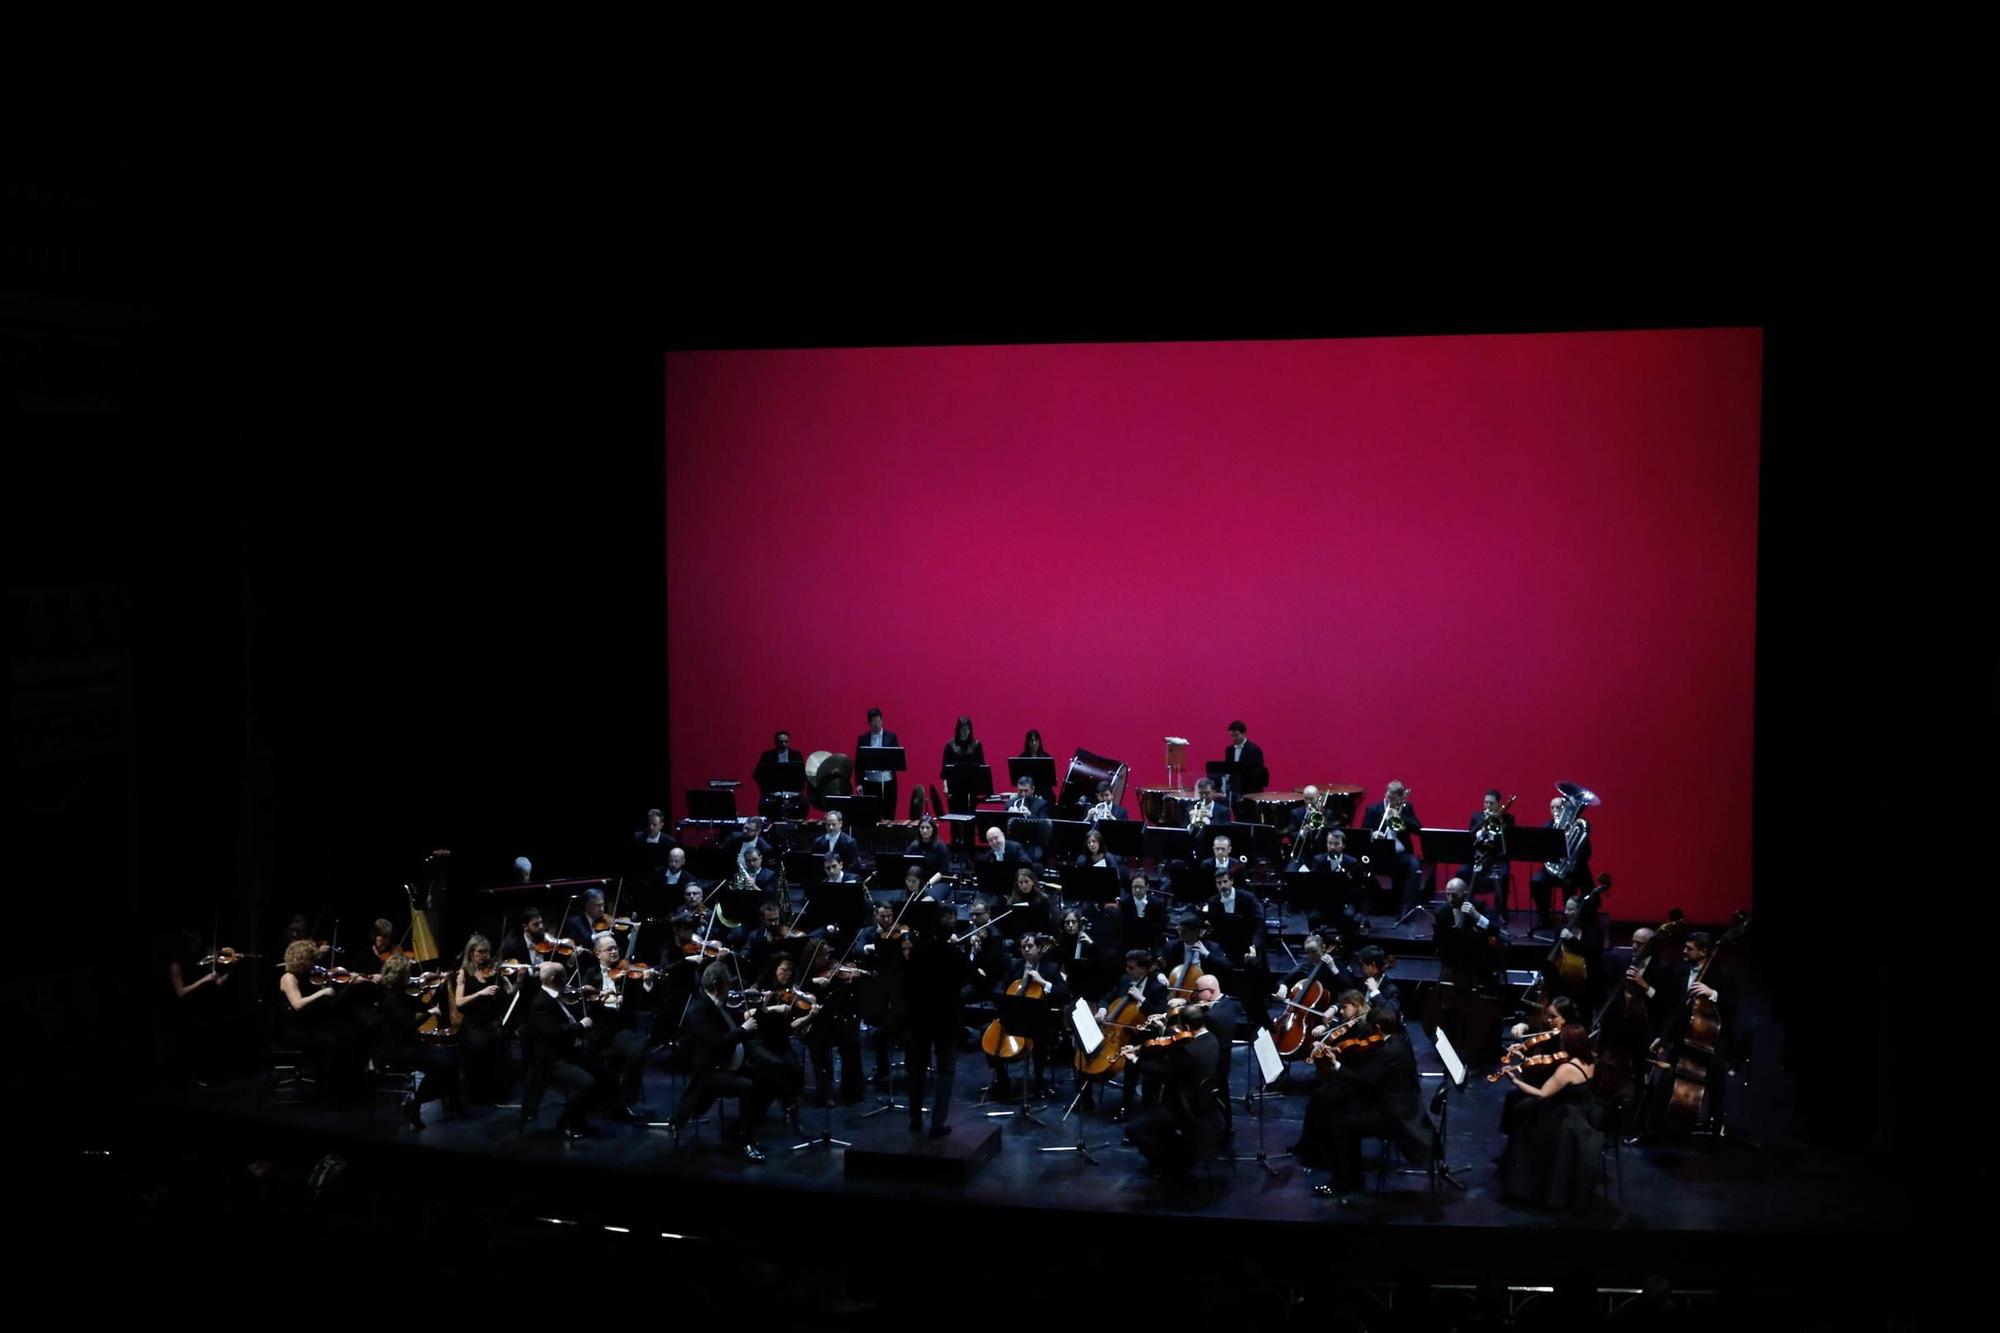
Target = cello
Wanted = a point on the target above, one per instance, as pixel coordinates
(997, 1041)
(1566, 959)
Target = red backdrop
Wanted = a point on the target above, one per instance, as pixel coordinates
(1459, 561)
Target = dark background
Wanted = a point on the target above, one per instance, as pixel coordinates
(336, 538)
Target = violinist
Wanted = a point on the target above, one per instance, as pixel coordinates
(984, 950)
(1554, 1154)
(1187, 1124)
(553, 1050)
(871, 942)
(196, 977)
(479, 996)
(584, 924)
(614, 998)
(1227, 1021)
(933, 849)
(381, 946)
(783, 1012)
(935, 978)
(534, 944)
(1537, 1038)
(1147, 989)
(767, 937)
(919, 889)
(321, 1025)
(1373, 1091)
(714, 1036)
(1036, 967)
(434, 1070)
(837, 1027)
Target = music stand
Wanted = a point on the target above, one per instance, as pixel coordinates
(996, 878)
(1536, 847)
(1238, 780)
(1066, 839)
(775, 777)
(1089, 1038)
(804, 868)
(1092, 884)
(1123, 837)
(888, 759)
(859, 811)
(1438, 847)
(969, 783)
(1270, 1068)
(1168, 844)
(1033, 1021)
(1454, 1081)
(1040, 767)
(712, 806)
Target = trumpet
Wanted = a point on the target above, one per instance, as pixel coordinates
(1198, 816)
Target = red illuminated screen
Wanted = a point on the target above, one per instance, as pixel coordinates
(1464, 562)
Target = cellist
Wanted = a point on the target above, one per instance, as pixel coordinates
(1038, 969)
(1147, 990)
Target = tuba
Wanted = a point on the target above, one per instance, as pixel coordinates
(1574, 826)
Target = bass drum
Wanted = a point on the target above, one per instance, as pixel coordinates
(1086, 770)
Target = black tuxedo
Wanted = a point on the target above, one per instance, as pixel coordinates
(937, 856)
(711, 1036)
(552, 1047)
(1405, 872)
(1375, 1092)
(1014, 854)
(861, 766)
(934, 981)
(1147, 932)
(1188, 1124)
(986, 956)
(770, 757)
(1253, 756)
(1498, 868)
(1217, 955)
(1468, 952)
(646, 857)
(1677, 1006)
(845, 847)
(1240, 929)
(1339, 890)
(1218, 810)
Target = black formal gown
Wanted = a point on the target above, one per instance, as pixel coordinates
(1555, 1156)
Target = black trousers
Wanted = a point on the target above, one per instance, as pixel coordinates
(753, 1094)
(1406, 875)
(831, 1032)
(916, 1065)
(1172, 1141)
(588, 1086)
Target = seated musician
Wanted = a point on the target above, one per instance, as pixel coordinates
(1073, 942)
(323, 1024)
(1142, 917)
(762, 879)
(1555, 1152)
(1318, 964)
(673, 876)
(752, 833)
(1187, 1124)
(1227, 1020)
(757, 941)
(872, 942)
(583, 925)
(999, 851)
(924, 888)
(1235, 915)
(1024, 802)
(614, 1004)
(1537, 1036)
(1145, 988)
(382, 946)
(1033, 907)
(984, 949)
(1391, 824)
(554, 1051)
(1373, 1091)
(1101, 804)
(1094, 855)
(1191, 947)
(837, 841)
(1304, 826)
(932, 848)
(783, 1011)
(533, 941)
(1489, 829)
(713, 1036)
(1546, 889)
(1375, 981)
(651, 846)
(1680, 989)
(434, 1070)
(480, 993)
(1468, 941)
(1345, 898)
(1036, 967)
(1207, 807)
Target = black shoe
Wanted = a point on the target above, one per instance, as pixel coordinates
(940, 1131)
(753, 1153)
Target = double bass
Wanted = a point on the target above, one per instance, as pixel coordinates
(1694, 1058)
(1566, 960)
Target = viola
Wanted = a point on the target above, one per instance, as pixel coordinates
(1552, 1058)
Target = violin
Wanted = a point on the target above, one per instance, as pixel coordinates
(223, 958)
(633, 969)
(703, 949)
(841, 972)
(546, 947)
(617, 925)
(512, 970)
(1521, 1047)
(337, 976)
(384, 955)
(1328, 1049)
(1171, 1038)
(1553, 1058)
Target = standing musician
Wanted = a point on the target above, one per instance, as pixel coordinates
(1142, 916)
(614, 1001)
(933, 849)
(715, 1036)
(1582, 936)
(837, 1026)
(837, 841)
(1373, 1092)
(1542, 886)
(935, 976)
(196, 1018)
(1235, 915)
(880, 948)
(1630, 1016)
(1025, 803)
(1102, 806)
(1243, 750)
(1490, 871)
(882, 779)
(1187, 1124)
(480, 993)
(1344, 899)
(1392, 823)
(552, 1048)
(434, 1070)
(1682, 986)
(962, 748)
(1037, 967)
